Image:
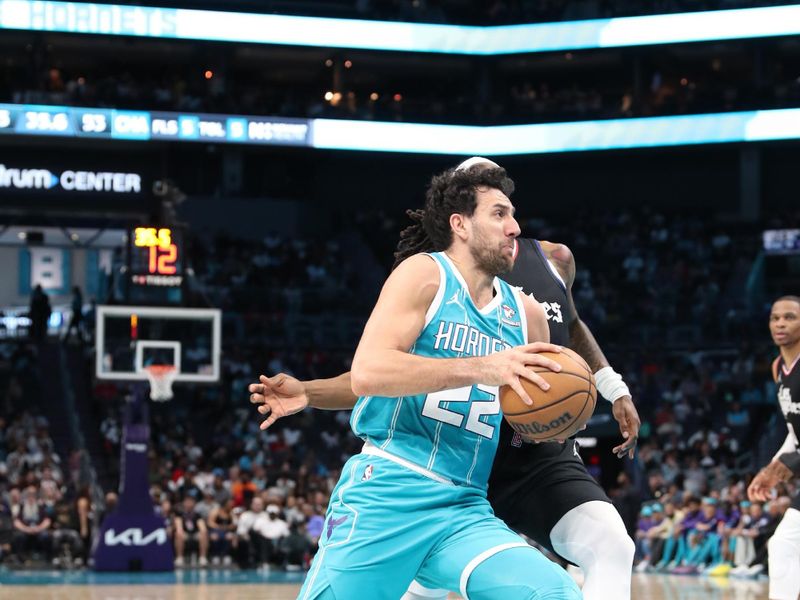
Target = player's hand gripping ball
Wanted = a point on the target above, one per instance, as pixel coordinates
(561, 411)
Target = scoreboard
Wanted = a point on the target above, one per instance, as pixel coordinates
(70, 121)
(782, 241)
(155, 264)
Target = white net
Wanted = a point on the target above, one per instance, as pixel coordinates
(161, 378)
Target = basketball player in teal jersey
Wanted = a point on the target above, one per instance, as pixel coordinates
(541, 490)
(444, 334)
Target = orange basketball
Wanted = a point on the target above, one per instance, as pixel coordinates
(561, 411)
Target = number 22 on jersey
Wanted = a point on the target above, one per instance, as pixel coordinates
(483, 399)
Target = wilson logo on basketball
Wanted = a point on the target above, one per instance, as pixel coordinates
(536, 428)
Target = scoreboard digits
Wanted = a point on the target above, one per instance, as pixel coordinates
(94, 123)
(156, 257)
(76, 121)
(149, 237)
(163, 253)
(45, 122)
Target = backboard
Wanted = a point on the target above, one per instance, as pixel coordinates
(130, 338)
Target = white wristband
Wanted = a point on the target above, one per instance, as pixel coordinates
(610, 384)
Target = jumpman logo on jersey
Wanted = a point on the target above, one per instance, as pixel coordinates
(334, 523)
(456, 301)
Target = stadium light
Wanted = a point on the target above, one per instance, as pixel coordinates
(223, 26)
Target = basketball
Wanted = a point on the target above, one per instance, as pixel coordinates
(561, 411)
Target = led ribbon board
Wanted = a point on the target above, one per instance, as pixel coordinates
(28, 119)
(333, 134)
(219, 26)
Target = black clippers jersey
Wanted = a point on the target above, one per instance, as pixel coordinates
(534, 274)
(788, 381)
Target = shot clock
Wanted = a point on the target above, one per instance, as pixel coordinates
(156, 264)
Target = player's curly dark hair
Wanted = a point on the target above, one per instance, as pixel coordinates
(448, 193)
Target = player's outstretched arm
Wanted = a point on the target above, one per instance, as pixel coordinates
(283, 395)
(582, 341)
(383, 366)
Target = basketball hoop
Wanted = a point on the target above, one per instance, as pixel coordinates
(161, 378)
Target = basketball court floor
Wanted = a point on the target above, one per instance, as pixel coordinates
(252, 585)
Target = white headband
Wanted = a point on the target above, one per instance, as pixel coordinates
(475, 160)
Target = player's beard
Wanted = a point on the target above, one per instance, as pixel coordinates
(489, 258)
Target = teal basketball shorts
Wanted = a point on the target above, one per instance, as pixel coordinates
(388, 523)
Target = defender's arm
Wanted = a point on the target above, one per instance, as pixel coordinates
(609, 382)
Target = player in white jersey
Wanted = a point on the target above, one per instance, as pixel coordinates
(444, 334)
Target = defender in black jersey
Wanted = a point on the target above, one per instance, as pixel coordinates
(550, 476)
(784, 545)
(540, 490)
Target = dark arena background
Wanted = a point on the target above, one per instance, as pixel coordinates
(196, 193)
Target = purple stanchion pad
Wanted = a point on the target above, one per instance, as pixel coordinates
(134, 536)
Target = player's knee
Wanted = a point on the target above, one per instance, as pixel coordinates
(522, 573)
(594, 536)
(613, 542)
(781, 546)
(782, 555)
(621, 547)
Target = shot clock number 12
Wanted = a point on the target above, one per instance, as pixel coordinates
(163, 252)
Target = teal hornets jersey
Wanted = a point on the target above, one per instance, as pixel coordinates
(452, 433)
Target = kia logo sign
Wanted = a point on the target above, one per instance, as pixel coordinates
(135, 537)
(71, 181)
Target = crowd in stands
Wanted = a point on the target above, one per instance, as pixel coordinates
(229, 270)
(666, 273)
(241, 496)
(519, 97)
(232, 494)
(719, 535)
(45, 511)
